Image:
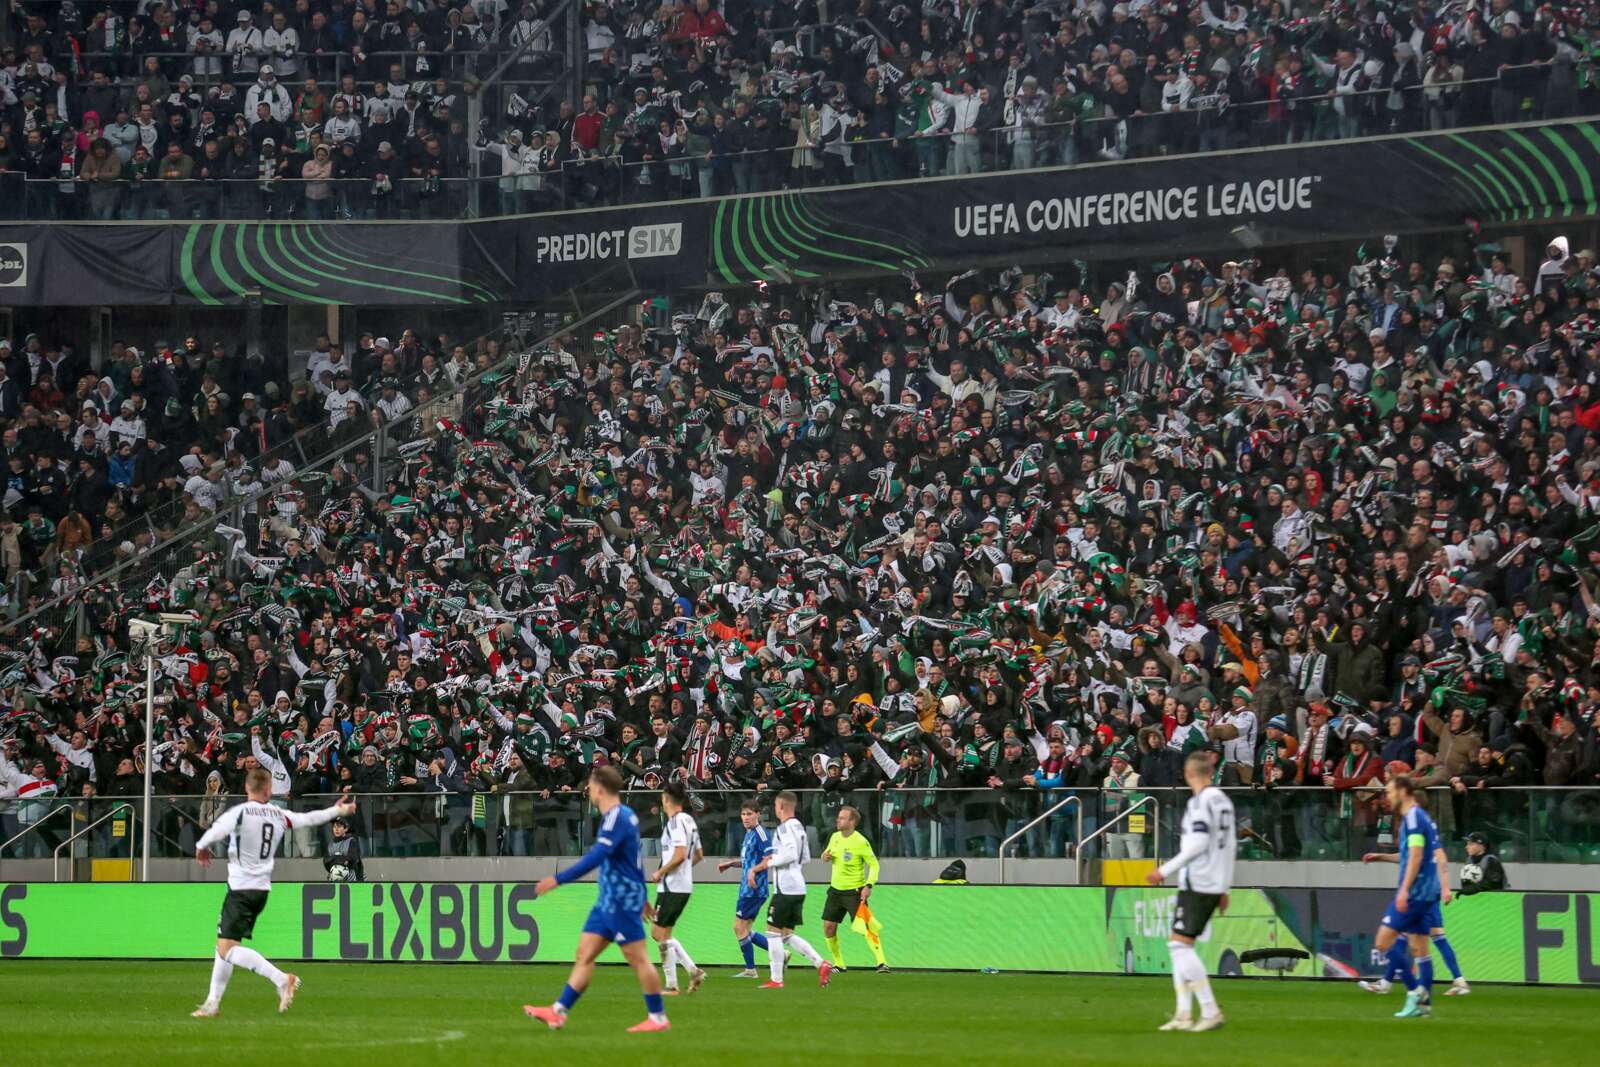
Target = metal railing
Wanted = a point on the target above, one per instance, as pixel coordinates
(1535, 824)
(55, 857)
(1105, 828)
(1538, 824)
(1020, 833)
(32, 827)
(496, 821)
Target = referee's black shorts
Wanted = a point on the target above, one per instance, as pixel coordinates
(841, 905)
(1194, 912)
(239, 911)
(786, 911)
(669, 906)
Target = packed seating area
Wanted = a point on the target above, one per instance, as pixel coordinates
(103, 465)
(359, 110)
(694, 101)
(257, 110)
(1019, 532)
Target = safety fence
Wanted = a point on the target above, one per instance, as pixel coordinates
(1537, 824)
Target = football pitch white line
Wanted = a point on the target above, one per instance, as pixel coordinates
(436, 1039)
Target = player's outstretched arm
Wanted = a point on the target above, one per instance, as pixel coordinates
(1381, 857)
(586, 863)
(346, 806)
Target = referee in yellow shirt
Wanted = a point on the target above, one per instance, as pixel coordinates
(855, 872)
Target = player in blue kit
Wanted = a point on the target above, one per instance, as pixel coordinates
(1415, 911)
(752, 886)
(618, 913)
(1441, 943)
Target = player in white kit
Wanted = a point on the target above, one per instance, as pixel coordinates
(790, 852)
(253, 830)
(680, 851)
(1204, 865)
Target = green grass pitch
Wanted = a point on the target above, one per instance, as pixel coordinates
(391, 1014)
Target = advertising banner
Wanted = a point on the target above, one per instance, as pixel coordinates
(1152, 207)
(1502, 937)
(328, 263)
(611, 249)
(69, 266)
(490, 922)
(1541, 937)
(1147, 209)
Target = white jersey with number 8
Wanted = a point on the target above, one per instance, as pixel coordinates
(254, 832)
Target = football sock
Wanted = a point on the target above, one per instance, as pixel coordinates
(1400, 960)
(669, 964)
(835, 951)
(682, 956)
(654, 1008)
(1180, 985)
(1442, 943)
(255, 962)
(1425, 974)
(759, 940)
(221, 971)
(1194, 973)
(567, 999)
(876, 945)
(1202, 987)
(800, 945)
(749, 952)
(775, 957)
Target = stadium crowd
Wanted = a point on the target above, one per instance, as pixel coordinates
(254, 109)
(692, 100)
(355, 109)
(102, 465)
(1018, 533)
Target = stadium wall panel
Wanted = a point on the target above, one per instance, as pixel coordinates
(1302, 874)
(1533, 173)
(1549, 938)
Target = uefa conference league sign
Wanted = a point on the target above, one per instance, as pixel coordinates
(1065, 215)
